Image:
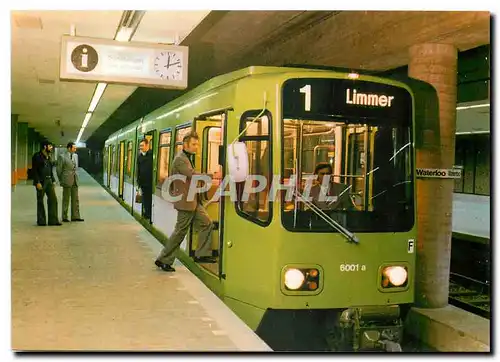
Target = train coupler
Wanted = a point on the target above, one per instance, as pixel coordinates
(372, 328)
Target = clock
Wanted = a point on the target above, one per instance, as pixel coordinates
(168, 65)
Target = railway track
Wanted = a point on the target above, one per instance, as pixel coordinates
(470, 294)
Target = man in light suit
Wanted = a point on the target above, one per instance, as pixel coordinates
(187, 210)
(67, 164)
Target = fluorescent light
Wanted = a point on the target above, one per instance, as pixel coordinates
(124, 34)
(473, 106)
(101, 87)
(86, 120)
(472, 132)
(79, 135)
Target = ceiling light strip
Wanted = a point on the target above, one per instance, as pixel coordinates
(473, 106)
(98, 92)
(128, 25)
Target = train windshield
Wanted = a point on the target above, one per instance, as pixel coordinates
(354, 169)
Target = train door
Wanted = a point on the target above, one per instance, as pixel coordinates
(210, 129)
(121, 169)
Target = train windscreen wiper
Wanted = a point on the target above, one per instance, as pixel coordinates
(333, 223)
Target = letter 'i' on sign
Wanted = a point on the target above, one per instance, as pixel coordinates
(411, 246)
(85, 57)
(307, 90)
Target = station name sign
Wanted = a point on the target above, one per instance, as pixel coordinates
(438, 173)
(132, 63)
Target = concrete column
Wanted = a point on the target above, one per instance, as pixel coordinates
(435, 64)
(13, 148)
(22, 151)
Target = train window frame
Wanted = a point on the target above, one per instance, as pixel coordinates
(105, 158)
(115, 166)
(159, 154)
(179, 143)
(204, 151)
(243, 138)
(129, 158)
(411, 176)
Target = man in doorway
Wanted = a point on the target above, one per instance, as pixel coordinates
(67, 164)
(43, 180)
(187, 210)
(145, 177)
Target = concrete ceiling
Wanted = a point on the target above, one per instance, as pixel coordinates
(376, 40)
(52, 106)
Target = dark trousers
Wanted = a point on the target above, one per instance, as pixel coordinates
(47, 189)
(147, 201)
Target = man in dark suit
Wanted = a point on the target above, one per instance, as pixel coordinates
(43, 180)
(145, 177)
(188, 211)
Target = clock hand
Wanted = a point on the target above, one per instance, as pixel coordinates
(176, 63)
(168, 61)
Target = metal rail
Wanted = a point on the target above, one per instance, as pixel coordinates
(470, 294)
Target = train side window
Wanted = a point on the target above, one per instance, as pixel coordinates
(181, 131)
(257, 138)
(212, 139)
(105, 158)
(163, 157)
(128, 170)
(114, 158)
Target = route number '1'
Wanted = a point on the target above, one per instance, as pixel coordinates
(307, 91)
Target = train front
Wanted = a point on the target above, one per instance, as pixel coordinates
(347, 260)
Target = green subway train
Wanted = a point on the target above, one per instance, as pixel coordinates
(303, 277)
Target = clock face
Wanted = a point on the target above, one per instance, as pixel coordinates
(168, 65)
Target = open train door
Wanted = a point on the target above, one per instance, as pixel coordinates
(210, 129)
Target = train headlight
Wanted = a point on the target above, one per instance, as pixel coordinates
(294, 279)
(396, 275)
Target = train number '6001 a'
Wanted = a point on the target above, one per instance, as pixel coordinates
(352, 267)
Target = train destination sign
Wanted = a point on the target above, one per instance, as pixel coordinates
(438, 173)
(110, 61)
(375, 100)
(327, 98)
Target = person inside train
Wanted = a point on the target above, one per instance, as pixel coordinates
(188, 211)
(43, 180)
(337, 193)
(145, 177)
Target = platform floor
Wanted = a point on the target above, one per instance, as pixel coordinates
(93, 286)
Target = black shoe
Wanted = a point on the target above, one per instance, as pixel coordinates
(55, 224)
(77, 220)
(205, 259)
(41, 224)
(65, 220)
(164, 267)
